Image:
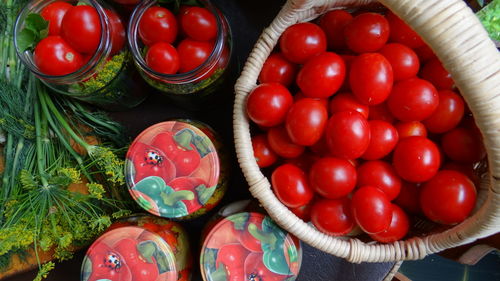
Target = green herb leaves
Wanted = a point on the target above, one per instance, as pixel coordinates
(35, 29)
(490, 18)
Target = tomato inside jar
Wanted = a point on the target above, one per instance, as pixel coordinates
(139, 248)
(182, 51)
(78, 48)
(249, 246)
(177, 169)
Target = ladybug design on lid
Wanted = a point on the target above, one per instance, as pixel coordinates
(112, 261)
(153, 157)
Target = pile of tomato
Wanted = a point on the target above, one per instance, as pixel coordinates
(374, 133)
(73, 37)
(194, 30)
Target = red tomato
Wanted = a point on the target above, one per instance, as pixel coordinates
(383, 139)
(290, 186)
(410, 128)
(347, 61)
(416, 159)
(347, 134)
(403, 60)
(466, 169)
(366, 32)
(268, 104)
(413, 100)
(424, 53)
(306, 121)
(402, 33)
(278, 69)
(333, 217)
(371, 209)
(281, 143)
(381, 112)
(81, 28)
(304, 161)
(53, 56)
(262, 152)
(322, 75)
(302, 41)
(54, 14)
(400, 224)
(434, 72)
(371, 78)
(448, 198)
(299, 95)
(193, 54)
(332, 178)
(463, 145)
(333, 24)
(448, 114)
(303, 212)
(382, 175)
(321, 146)
(345, 102)
(157, 24)
(117, 32)
(163, 57)
(198, 23)
(408, 197)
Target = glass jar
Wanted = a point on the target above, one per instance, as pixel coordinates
(249, 246)
(139, 248)
(193, 88)
(177, 169)
(107, 78)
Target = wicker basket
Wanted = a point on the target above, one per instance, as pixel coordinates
(457, 37)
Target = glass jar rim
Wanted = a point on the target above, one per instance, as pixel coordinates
(102, 51)
(185, 77)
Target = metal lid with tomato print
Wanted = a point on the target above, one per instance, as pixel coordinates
(129, 253)
(249, 246)
(173, 169)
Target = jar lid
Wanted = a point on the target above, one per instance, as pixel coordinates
(172, 168)
(129, 253)
(249, 246)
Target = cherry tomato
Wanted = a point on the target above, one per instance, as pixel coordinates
(333, 24)
(416, 159)
(413, 100)
(198, 23)
(381, 112)
(448, 198)
(333, 217)
(306, 121)
(193, 53)
(424, 53)
(303, 212)
(402, 33)
(268, 104)
(81, 28)
(382, 175)
(117, 32)
(383, 139)
(408, 197)
(371, 209)
(400, 224)
(347, 134)
(157, 24)
(371, 78)
(434, 72)
(281, 143)
(290, 186)
(403, 60)
(366, 32)
(278, 69)
(463, 145)
(302, 41)
(322, 75)
(54, 14)
(410, 128)
(304, 161)
(345, 102)
(332, 178)
(299, 95)
(53, 56)
(466, 169)
(448, 114)
(262, 152)
(163, 57)
(346, 87)
(321, 146)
